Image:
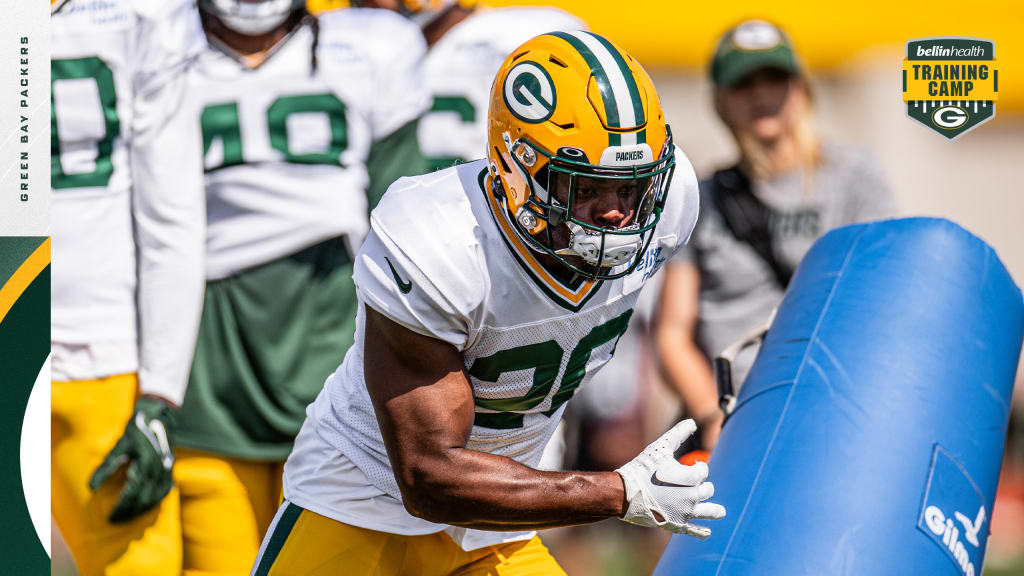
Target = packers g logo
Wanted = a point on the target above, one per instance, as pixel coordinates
(529, 92)
(950, 117)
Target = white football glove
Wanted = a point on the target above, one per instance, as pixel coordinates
(666, 494)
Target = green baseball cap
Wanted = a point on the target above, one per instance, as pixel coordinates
(750, 46)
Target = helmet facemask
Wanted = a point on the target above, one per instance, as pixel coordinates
(607, 253)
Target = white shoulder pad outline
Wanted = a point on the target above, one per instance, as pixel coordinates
(428, 225)
(380, 36)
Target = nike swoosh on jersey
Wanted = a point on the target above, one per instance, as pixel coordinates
(405, 287)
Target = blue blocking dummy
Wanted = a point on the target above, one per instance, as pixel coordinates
(869, 435)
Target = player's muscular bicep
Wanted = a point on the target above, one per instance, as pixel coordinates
(424, 406)
(422, 398)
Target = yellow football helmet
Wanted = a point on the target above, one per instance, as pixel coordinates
(573, 105)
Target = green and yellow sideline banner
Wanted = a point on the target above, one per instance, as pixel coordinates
(24, 347)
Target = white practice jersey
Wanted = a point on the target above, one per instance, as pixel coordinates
(460, 69)
(127, 204)
(442, 260)
(286, 143)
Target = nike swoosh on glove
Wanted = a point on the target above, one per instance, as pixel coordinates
(665, 494)
(147, 447)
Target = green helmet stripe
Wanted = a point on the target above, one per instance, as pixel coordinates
(618, 78)
(634, 91)
(611, 109)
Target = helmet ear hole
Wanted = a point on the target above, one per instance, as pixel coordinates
(543, 176)
(501, 158)
(572, 153)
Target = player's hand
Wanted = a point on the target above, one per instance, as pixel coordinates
(665, 494)
(147, 447)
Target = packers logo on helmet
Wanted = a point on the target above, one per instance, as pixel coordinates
(570, 112)
(529, 92)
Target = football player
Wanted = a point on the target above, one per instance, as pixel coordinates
(489, 292)
(127, 220)
(305, 122)
(467, 43)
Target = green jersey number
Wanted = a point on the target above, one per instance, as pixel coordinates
(220, 122)
(80, 69)
(544, 358)
(465, 111)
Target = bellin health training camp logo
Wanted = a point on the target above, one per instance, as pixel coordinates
(951, 84)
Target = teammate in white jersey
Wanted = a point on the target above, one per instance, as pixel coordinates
(127, 215)
(305, 120)
(467, 43)
(489, 293)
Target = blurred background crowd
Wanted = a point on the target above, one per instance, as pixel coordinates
(852, 155)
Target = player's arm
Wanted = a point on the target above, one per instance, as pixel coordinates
(683, 363)
(424, 406)
(168, 207)
(169, 219)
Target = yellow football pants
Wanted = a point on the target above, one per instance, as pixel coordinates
(86, 419)
(211, 522)
(227, 506)
(303, 543)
